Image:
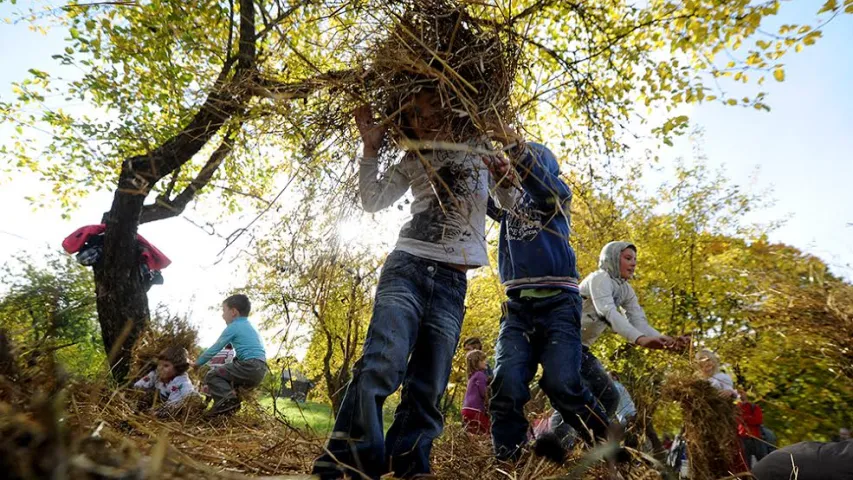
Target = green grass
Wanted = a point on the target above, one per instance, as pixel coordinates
(311, 417)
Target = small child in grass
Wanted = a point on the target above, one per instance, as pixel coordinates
(170, 378)
(474, 414)
(248, 368)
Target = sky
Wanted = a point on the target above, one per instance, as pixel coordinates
(802, 149)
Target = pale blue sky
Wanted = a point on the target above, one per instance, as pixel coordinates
(802, 149)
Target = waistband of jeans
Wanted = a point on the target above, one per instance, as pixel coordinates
(253, 360)
(440, 266)
(515, 295)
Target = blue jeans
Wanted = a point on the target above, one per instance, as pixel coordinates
(540, 331)
(598, 381)
(417, 318)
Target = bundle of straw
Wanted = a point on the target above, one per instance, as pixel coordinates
(164, 332)
(440, 45)
(710, 427)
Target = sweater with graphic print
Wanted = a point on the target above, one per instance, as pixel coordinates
(171, 392)
(534, 250)
(450, 188)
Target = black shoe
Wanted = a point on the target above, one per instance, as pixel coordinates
(229, 406)
(548, 445)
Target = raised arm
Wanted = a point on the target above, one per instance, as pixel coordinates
(540, 176)
(380, 191)
(504, 193)
(376, 191)
(224, 339)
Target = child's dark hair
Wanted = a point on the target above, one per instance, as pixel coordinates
(472, 341)
(240, 303)
(473, 359)
(400, 112)
(178, 356)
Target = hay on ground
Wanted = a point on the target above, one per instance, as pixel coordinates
(164, 331)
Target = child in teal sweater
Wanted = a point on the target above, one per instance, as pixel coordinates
(248, 368)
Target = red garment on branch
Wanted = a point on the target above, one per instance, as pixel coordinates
(151, 255)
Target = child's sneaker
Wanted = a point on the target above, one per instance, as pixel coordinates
(228, 406)
(548, 445)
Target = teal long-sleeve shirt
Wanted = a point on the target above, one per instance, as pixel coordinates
(243, 336)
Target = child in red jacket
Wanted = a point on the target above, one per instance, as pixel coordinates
(749, 430)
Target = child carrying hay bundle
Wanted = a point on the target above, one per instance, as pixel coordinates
(430, 78)
(438, 45)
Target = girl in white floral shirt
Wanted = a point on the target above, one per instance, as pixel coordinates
(170, 377)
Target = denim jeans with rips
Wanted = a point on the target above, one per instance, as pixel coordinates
(411, 340)
(542, 331)
(598, 381)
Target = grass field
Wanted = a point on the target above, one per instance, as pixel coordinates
(313, 417)
(309, 416)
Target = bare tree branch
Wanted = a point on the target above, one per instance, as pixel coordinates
(166, 207)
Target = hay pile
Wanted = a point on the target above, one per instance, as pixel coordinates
(90, 431)
(710, 427)
(459, 455)
(164, 331)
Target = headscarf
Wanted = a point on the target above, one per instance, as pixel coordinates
(608, 260)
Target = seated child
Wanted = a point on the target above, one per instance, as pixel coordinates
(170, 378)
(474, 415)
(248, 368)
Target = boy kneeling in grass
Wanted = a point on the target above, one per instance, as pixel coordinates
(248, 368)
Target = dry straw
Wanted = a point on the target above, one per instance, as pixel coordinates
(90, 430)
(710, 427)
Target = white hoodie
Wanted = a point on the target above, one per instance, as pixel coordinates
(603, 292)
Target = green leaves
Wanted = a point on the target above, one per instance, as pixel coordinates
(588, 76)
(829, 6)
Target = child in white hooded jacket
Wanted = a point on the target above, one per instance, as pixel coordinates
(610, 301)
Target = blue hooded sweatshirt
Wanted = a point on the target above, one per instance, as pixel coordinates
(534, 250)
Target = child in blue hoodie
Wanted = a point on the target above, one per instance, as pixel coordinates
(542, 313)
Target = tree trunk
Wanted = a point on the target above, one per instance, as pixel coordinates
(122, 300)
(121, 295)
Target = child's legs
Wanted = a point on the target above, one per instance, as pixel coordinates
(515, 367)
(418, 419)
(217, 383)
(599, 382)
(357, 439)
(242, 373)
(559, 319)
